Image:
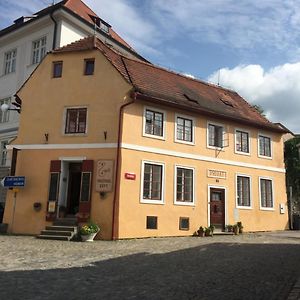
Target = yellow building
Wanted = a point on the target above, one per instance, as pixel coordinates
(140, 150)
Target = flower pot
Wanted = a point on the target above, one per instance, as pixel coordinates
(88, 237)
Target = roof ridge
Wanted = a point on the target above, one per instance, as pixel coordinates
(181, 75)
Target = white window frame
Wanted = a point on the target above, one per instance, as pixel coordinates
(154, 109)
(193, 129)
(41, 50)
(11, 62)
(207, 135)
(271, 146)
(249, 141)
(273, 193)
(175, 186)
(147, 201)
(4, 116)
(65, 119)
(250, 191)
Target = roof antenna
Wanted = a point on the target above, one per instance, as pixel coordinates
(219, 73)
(53, 2)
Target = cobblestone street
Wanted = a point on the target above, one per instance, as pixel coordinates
(251, 266)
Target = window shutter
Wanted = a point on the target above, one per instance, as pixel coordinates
(55, 168)
(85, 190)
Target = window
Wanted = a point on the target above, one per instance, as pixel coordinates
(154, 122)
(4, 116)
(89, 65)
(184, 185)
(76, 120)
(152, 191)
(3, 152)
(264, 146)
(151, 222)
(57, 69)
(241, 141)
(184, 223)
(266, 193)
(243, 191)
(38, 50)
(184, 130)
(215, 135)
(10, 61)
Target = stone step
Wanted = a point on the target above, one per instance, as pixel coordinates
(54, 237)
(62, 228)
(57, 232)
(223, 233)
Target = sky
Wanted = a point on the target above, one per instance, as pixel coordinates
(250, 46)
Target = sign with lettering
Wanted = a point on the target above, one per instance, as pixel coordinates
(104, 176)
(130, 176)
(216, 173)
(13, 181)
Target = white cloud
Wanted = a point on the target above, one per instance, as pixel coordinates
(277, 90)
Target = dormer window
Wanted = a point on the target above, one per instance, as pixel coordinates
(104, 27)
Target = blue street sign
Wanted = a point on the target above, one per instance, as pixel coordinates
(13, 181)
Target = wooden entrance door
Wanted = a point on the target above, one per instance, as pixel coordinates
(217, 207)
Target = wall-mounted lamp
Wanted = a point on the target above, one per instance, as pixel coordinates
(105, 134)
(5, 107)
(46, 137)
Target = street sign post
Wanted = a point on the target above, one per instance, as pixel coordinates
(13, 181)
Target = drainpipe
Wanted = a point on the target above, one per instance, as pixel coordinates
(117, 176)
(55, 31)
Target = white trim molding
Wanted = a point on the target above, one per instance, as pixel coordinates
(193, 186)
(200, 157)
(149, 201)
(62, 146)
(250, 191)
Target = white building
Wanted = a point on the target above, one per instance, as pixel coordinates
(25, 43)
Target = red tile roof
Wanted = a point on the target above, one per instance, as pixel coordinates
(159, 85)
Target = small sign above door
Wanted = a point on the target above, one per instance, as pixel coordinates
(104, 178)
(216, 173)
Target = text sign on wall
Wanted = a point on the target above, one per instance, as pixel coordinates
(130, 176)
(104, 177)
(216, 173)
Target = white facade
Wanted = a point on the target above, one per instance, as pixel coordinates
(20, 53)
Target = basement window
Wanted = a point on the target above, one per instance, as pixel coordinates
(151, 222)
(184, 223)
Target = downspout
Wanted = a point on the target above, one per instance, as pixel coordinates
(55, 31)
(118, 170)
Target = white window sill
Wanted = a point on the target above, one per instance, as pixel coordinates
(265, 157)
(242, 153)
(267, 208)
(245, 207)
(145, 201)
(157, 137)
(184, 203)
(185, 142)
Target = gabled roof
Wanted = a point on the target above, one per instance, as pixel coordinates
(153, 83)
(76, 8)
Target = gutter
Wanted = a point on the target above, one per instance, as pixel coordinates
(118, 170)
(55, 30)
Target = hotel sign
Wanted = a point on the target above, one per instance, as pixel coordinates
(216, 173)
(104, 176)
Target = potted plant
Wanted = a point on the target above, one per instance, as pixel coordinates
(241, 227)
(228, 228)
(212, 229)
(201, 231)
(89, 231)
(235, 229)
(207, 231)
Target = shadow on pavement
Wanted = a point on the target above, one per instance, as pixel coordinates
(214, 271)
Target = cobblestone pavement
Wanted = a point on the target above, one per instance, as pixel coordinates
(251, 266)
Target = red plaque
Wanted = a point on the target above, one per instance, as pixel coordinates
(130, 176)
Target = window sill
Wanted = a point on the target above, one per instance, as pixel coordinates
(267, 208)
(265, 157)
(184, 203)
(185, 142)
(242, 153)
(157, 137)
(74, 134)
(215, 148)
(245, 207)
(144, 201)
